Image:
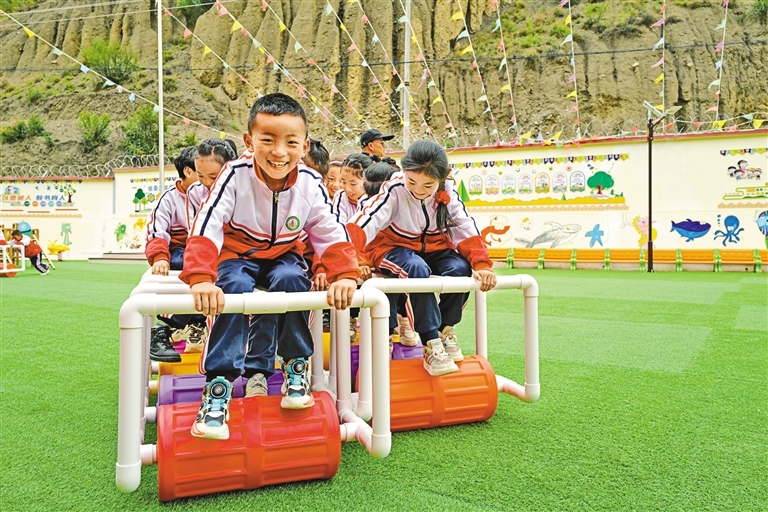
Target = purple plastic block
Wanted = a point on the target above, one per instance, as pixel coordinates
(355, 357)
(180, 389)
(402, 352)
(275, 383)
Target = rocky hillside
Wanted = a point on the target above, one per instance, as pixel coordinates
(613, 58)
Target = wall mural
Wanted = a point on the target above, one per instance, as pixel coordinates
(497, 232)
(641, 225)
(38, 197)
(762, 225)
(744, 165)
(146, 192)
(595, 236)
(690, 229)
(584, 182)
(732, 230)
(555, 235)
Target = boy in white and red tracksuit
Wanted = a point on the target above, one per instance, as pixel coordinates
(246, 235)
(167, 231)
(32, 250)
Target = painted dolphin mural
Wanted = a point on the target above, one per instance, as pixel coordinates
(690, 229)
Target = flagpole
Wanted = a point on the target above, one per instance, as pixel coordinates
(160, 120)
(407, 77)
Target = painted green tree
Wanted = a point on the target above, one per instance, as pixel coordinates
(139, 198)
(463, 192)
(600, 180)
(67, 189)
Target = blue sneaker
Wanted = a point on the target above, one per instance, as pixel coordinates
(296, 391)
(211, 421)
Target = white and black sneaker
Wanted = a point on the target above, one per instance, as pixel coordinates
(296, 391)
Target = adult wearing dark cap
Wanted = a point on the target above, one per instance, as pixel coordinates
(372, 142)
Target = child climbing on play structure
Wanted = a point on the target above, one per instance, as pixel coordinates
(32, 250)
(416, 227)
(345, 205)
(246, 235)
(374, 177)
(166, 239)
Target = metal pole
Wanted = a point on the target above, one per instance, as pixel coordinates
(651, 128)
(161, 136)
(407, 77)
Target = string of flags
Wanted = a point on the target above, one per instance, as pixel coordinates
(460, 16)
(505, 65)
(719, 48)
(366, 21)
(431, 84)
(353, 47)
(661, 44)
(106, 82)
(297, 46)
(572, 77)
(317, 106)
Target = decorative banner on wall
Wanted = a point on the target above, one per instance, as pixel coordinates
(146, 192)
(746, 151)
(49, 198)
(539, 161)
(548, 184)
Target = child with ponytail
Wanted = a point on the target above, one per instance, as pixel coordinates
(417, 227)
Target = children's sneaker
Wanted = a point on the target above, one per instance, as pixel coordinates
(196, 336)
(178, 335)
(391, 345)
(296, 391)
(160, 348)
(408, 337)
(352, 329)
(211, 421)
(436, 361)
(256, 386)
(448, 337)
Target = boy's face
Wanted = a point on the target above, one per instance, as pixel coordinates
(17, 237)
(333, 180)
(278, 142)
(351, 184)
(420, 184)
(208, 169)
(190, 177)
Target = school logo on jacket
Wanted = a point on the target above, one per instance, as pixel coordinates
(292, 223)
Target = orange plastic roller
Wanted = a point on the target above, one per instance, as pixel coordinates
(267, 445)
(419, 400)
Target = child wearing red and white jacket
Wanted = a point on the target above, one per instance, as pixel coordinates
(416, 227)
(167, 231)
(247, 234)
(32, 250)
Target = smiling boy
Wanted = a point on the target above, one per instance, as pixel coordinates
(247, 234)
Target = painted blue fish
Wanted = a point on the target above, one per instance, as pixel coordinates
(690, 229)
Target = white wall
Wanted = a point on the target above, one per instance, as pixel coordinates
(691, 181)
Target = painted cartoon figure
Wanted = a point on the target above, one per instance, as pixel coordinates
(66, 230)
(690, 229)
(762, 225)
(557, 234)
(494, 233)
(641, 225)
(732, 230)
(140, 224)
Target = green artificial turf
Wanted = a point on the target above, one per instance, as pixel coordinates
(653, 397)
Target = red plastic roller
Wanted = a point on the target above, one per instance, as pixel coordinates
(267, 445)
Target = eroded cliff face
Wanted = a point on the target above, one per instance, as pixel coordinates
(613, 73)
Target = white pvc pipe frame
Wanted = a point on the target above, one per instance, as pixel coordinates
(7, 258)
(353, 409)
(131, 453)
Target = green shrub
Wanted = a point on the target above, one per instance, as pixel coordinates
(193, 10)
(188, 140)
(141, 132)
(15, 5)
(34, 95)
(94, 129)
(758, 12)
(169, 84)
(110, 60)
(22, 130)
